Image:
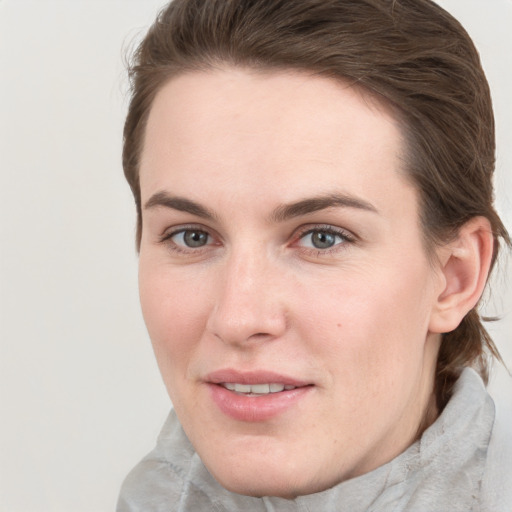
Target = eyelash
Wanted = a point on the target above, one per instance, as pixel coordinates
(345, 236)
(173, 246)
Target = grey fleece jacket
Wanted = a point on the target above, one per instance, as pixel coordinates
(461, 463)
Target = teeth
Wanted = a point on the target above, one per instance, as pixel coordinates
(256, 389)
(260, 389)
(243, 388)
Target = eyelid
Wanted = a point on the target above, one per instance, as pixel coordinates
(174, 230)
(328, 228)
(166, 237)
(347, 236)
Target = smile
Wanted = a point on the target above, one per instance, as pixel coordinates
(256, 396)
(256, 389)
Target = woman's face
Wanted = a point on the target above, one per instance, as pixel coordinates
(283, 278)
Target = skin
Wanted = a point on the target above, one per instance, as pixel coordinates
(359, 320)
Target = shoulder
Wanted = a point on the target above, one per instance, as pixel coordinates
(150, 485)
(156, 482)
(497, 478)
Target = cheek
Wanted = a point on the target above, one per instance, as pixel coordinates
(368, 323)
(174, 309)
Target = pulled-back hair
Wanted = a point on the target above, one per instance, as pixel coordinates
(411, 54)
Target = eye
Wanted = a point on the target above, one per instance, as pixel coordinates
(189, 238)
(323, 238)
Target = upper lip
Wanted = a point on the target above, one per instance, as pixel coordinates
(252, 377)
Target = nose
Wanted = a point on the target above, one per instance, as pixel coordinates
(249, 304)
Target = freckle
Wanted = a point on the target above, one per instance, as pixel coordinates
(339, 325)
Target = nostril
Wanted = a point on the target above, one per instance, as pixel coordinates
(237, 320)
(259, 336)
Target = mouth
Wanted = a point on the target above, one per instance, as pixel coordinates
(255, 396)
(257, 389)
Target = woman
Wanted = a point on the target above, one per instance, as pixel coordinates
(315, 227)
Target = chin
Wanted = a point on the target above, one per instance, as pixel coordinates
(259, 480)
(257, 486)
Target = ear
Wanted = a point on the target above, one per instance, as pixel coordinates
(464, 268)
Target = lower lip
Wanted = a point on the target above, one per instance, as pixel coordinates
(256, 408)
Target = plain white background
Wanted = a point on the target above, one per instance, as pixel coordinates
(81, 398)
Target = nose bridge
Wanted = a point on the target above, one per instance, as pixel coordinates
(248, 305)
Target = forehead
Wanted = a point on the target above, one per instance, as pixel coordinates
(241, 128)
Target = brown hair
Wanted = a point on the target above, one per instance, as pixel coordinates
(411, 53)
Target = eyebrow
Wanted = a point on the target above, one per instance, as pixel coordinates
(280, 214)
(314, 204)
(179, 203)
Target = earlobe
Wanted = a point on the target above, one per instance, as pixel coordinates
(464, 268)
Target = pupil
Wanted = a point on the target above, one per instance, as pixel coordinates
(322, 240)
(195, 238)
